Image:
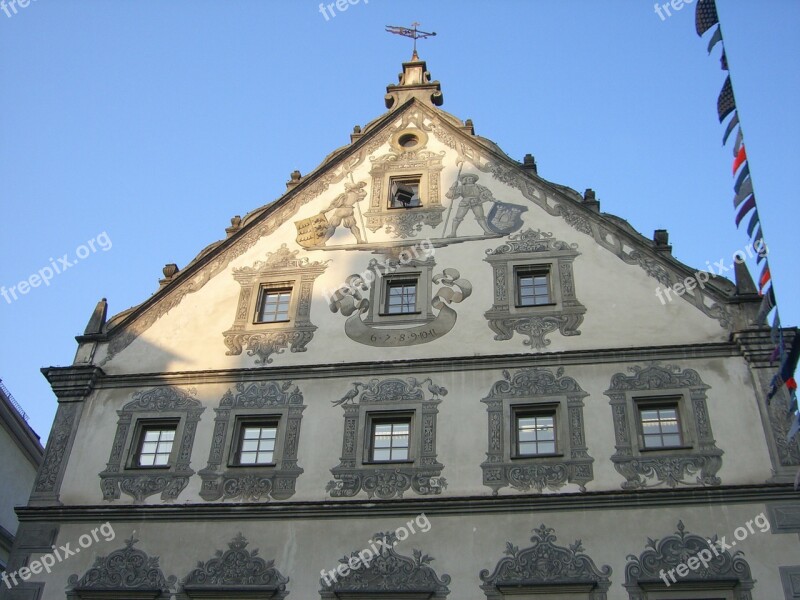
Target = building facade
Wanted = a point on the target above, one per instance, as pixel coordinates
(423, 372)
(22, 456)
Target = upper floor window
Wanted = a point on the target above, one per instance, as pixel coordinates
(391, 439)
(660, 424)
(155, 445)
(533, 286)
(256, 443)
(401, 296)
(404, 192)
(535, 433)
(273, 305)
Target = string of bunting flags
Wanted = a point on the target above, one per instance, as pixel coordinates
(744, 204)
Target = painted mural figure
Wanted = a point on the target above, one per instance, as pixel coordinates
(472, 197)
(344, 206)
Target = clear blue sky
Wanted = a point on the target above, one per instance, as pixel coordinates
(156, 122)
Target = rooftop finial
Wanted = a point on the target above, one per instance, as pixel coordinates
(414, 33)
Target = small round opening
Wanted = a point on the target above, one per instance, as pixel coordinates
(408, 140)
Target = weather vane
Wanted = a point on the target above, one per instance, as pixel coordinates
(414, 33)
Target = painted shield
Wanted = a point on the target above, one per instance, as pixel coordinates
(311, 231)
(505, 217)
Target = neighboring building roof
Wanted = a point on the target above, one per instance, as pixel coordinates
(14, 420)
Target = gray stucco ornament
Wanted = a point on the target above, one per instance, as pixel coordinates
(388, 572)
(546, 567)
(236, 570)
(361, 311)
(123, 571)
(650, 570)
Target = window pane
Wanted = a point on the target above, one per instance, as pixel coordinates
(400, 441)
(149, 447)
(249, 445)
(161, 460)
(547, 447)
(546, 434)
(672, 440)
(652, 441)
(147, 460)
(151, 436)
(382, 454)
(400, 454)
(251, 433)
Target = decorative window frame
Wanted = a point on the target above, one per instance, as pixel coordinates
(388, 575)
(234, 573)
(724, 572)
(669, 466)
(545, 567)
(255, 483)
(405, 162)
(281, 269)
(534, 249)
(422, 473)
(128, 573)
(158, 404)
(535, 387)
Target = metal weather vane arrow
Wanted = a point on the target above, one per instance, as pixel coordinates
(414, 33)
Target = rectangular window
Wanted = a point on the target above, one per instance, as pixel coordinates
(660, 425)
(533, 287)
(535, 433)
(155, 445)
(390, 439)
(273, 306)
(401, 297)
(404, 192)
(256, 445)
